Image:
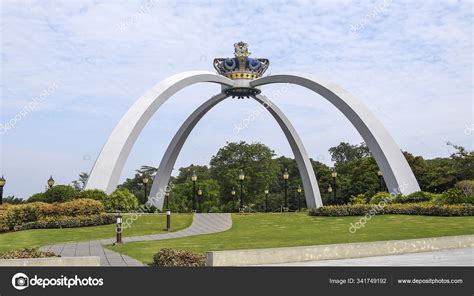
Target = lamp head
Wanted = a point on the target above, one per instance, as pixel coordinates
(2, 181)
(50, 181)
(194, 177)
(241, 175)
(286, 175)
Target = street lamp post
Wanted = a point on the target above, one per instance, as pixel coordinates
(286, 176)
(232, 193)
(194, 179)
(330, 191)
(145, 182)
(379, 173)
(50, 182)
(2, 183)
(334, 186)
(299, 197)
(266, 200)
(199, 199)
(241, 179)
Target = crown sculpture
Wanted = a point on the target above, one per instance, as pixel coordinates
(241, 67)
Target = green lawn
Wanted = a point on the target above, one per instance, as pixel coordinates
(299, 229)
(145, 224)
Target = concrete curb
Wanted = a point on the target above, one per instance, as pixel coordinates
(53, 261)
(336, 251)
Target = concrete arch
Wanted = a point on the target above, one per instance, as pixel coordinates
(396, 172)
(161, 179)
(107, 168)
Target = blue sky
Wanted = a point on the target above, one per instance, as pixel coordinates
(85, 62)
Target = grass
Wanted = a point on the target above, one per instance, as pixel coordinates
(145, 224)
(250, 231)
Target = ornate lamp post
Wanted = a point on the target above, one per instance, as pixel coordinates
(334, 176)
(299, 197)
(330, 191)
(232, 193)
(145, 182)
(2, 183)
(50, 182)
(194, 179)
(379, 173)
(266, 199)
(241, 179)
(286, 176)
(199, 199)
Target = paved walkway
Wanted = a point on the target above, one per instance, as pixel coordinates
(202, 224)
(451, 257)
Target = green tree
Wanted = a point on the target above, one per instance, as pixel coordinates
(256, 162)
(81, 182)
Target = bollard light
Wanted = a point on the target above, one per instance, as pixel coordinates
(118, 229)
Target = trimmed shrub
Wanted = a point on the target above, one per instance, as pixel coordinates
(404, 209)
(80, 207)
(95, 194)
(121, 200)
(450, 197)
(178, 258)
(419, 196)
(67, 222)
(26, 253)
(360, 199)
(381, 197)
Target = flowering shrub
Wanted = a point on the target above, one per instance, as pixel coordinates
(178, 258)
(26, 253)
(43, 215)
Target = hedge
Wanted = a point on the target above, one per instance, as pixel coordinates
(67, 222)
(178, 258)
(404, 209)
(14, 216)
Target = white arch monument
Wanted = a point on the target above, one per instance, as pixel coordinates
(241, 77)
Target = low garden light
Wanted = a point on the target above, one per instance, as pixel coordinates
(118, 229)
(266, 199)
(50, 182)
(2, 183)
